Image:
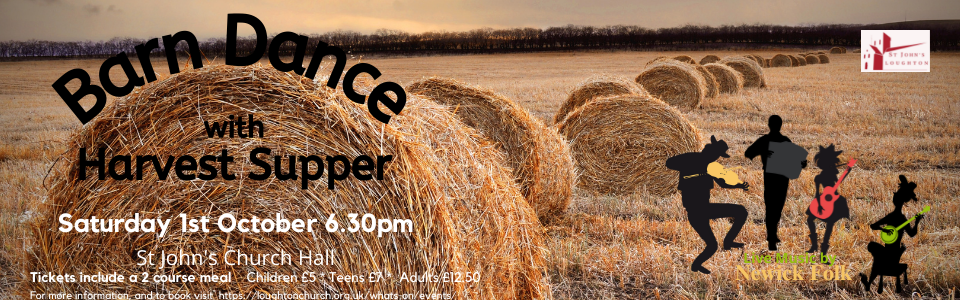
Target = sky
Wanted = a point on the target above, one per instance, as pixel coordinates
(75, 20)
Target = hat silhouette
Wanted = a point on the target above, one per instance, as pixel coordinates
(716, 147)
(906, 191)
(827, 153)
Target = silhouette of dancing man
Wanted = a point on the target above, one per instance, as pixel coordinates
(827, 160)
(886, 258)
(695, 185)
(774, 185)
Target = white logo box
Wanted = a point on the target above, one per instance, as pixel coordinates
(895, 51)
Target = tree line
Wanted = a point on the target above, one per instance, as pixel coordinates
(945, 36)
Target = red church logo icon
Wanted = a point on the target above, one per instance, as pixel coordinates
(910, 54)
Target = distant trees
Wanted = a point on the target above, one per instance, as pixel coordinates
(945, 36)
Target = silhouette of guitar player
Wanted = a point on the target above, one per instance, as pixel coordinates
(695, 185)
(886, 258)
(774, 185)
(827, 160)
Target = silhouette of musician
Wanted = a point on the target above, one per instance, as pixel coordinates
(695, 185)
(775, 185)
(886, 258)
(826, 160)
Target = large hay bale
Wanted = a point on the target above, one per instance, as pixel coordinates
(709, 59)
(658, 59)
(836, 50)
(794, 61)
(711, 82)
(801, 59)
(686, 59)
(620, 144)
(675, 83)
(468, 214)
(843, 50)
(752, 73)
(766, 62)
(595, 88)
(756, 58)
(823, 59)
(812, 59)
(780, 60)
(539, 156)
(820, 53)
(728, 80)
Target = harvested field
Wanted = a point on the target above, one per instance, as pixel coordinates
(637, 246)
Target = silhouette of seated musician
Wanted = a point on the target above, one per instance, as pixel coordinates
(886, 258)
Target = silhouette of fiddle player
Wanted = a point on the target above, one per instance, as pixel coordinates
(827, 160)
(775, 185)
(886, 258)
(695, 185)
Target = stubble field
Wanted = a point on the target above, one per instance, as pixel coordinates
(609, 247)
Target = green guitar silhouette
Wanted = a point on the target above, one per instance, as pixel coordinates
(889, 233)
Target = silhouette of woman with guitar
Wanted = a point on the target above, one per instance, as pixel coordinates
(886, 257)
(828, 205)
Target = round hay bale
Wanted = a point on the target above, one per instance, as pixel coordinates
(780, 60)
(620, 144)
(468, 214)
(766, 62)
(711, 82)
(686, 59)
(595, 88)
(820, 53)
(843, 50)
(675, 83)
(801, 59)
(836, 50)
(709, 59)
(729, 81)
(755, 58)
(658, 59)
(539, 156)
(752, 73)
(823, 59)
(794, 61)
(812, 59)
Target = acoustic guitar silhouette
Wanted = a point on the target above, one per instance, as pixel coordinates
(822, 207)
(889, 234)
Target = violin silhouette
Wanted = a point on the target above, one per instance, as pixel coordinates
(716, 170)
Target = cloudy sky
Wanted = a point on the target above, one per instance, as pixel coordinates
(100, 20)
